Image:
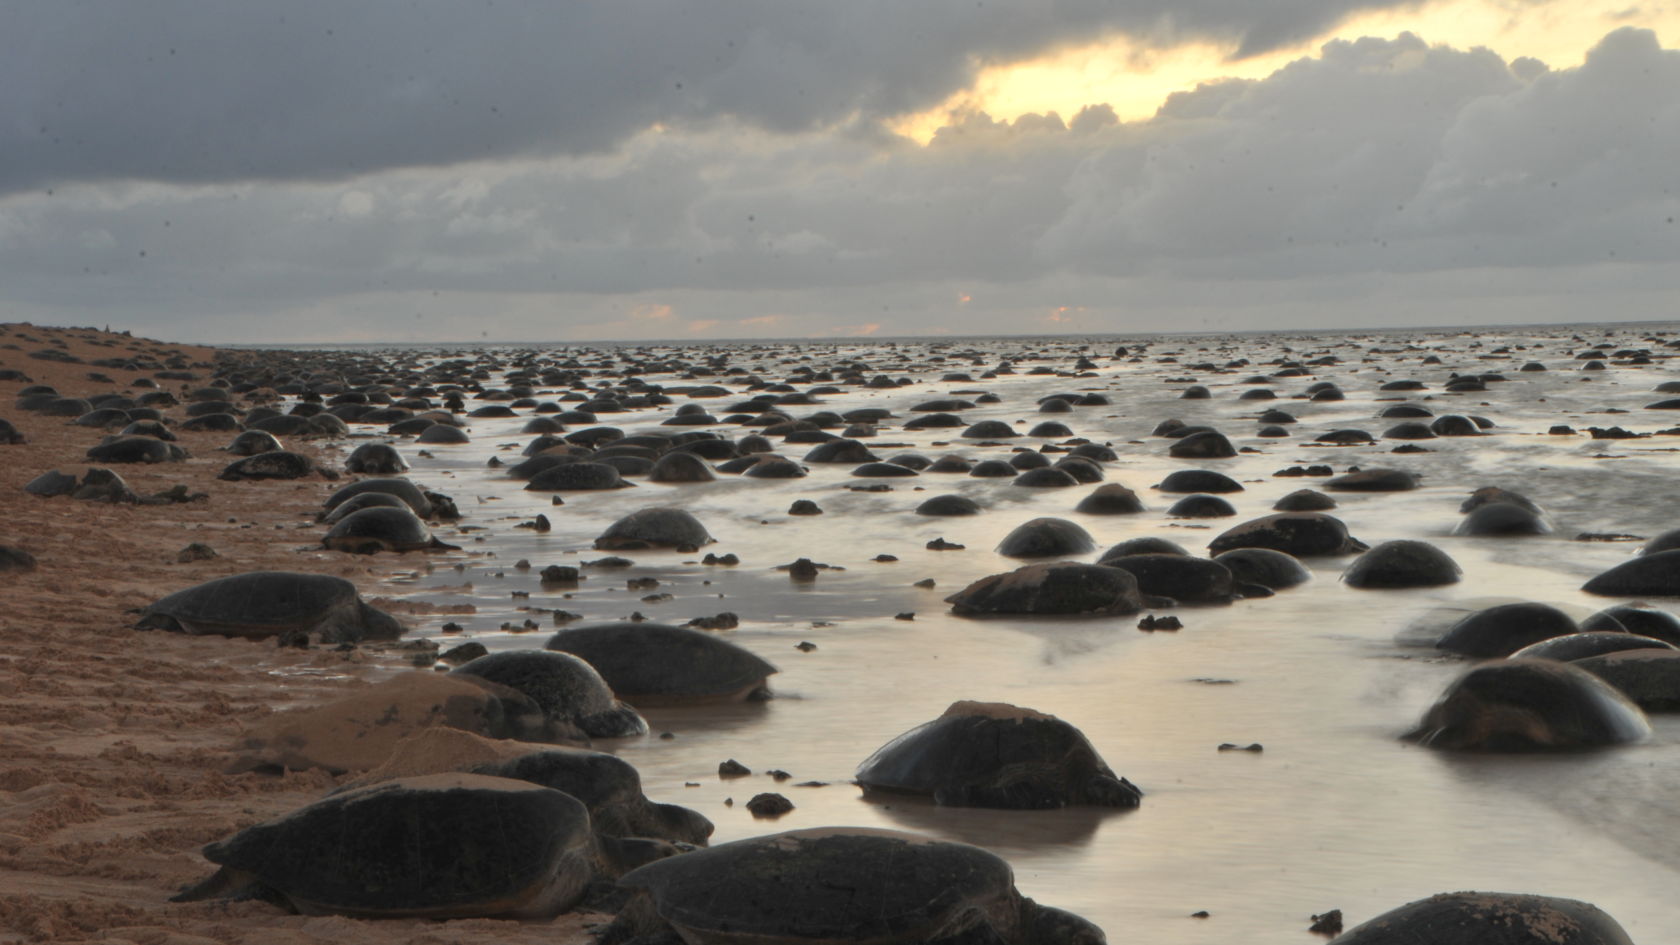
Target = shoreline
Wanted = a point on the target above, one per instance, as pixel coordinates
(115, 742)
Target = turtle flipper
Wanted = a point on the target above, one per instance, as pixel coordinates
(225, 883)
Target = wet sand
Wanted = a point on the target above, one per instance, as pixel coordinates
(113, 742)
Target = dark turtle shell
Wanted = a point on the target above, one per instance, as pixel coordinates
(1653, 574)
(660, 527)
(1183, 578)
(1530, 705)
(1110, 499)
(380, 528)
(1061, 587)
(364, 500)
(1402, 563)
(1480, 918)
(268, 603)
(659, 664)
(981, 754)
(1302, 534)
(680, 466)
(1264, 567)
(949, 505)
(569, 690)
(274, 464)
(1578, 646)
(1046, 538)
(578, 476)
(375, 458)
(252, 442)
(1506, 628)
(135, 449)
(842, 884)
(403, 489)
(436, 846)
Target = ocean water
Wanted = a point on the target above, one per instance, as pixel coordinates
(1336, 812)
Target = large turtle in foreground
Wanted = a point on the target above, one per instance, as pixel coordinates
(988, 754)
(660, 664)
(838, 885)
(438, 846)
(262, 604)
(1482, 918)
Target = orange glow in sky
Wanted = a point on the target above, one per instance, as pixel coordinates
(1135, 79)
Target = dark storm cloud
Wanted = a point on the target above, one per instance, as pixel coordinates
(190, 92)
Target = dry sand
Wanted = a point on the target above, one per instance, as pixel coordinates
(114, 743)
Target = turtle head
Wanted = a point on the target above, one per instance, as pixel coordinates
(1108, 791)
(379, 624)
(1043, 925)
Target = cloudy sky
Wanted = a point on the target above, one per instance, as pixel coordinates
(317, 170)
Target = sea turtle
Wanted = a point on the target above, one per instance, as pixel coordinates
(840, 451)
(262, 604)
(1046, 538)
(577, 476)
(1143, 545)
(442, 434)
(1199, 480)
(1302, 534)
(1264, 567)
(274, 464)
(1207, 444)
(1184, 578)
(1110, 499)
(436, 846)
(1578, 646)
(949, 505)
(658, 527)
(416, 498)
(1061, 587)
(606, 784)
(988, 754)
(1652, 574)
(1373, 480)
(382, 528)
(380, 459)
(838, 885)
(1482, 918)
(681, 466)
(135, 449)
(1304, 500)
(1402, 563)
(1201, 505)
(252, 442)
(1650, 677)
(363, 500)
(1637, 618)
(659, 664)
(1502, 519)
(1505, 628)
(1530, 705)
(569, 691)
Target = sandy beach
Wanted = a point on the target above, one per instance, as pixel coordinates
(114, 742)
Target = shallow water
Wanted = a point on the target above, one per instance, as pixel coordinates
(1336, 812)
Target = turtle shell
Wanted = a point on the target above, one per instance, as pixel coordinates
(660, 664)
(1061, 587)
(274, 464)
(833, 884)
(1481, 918)
(268, 603)
(1530, 705)
(378, 528)
(401, 488)
(995, 755)
(1046, 538)
(436, 846)
(661, 527)
(252, 442)
(376, 458)
(610, 787)
(568, 690)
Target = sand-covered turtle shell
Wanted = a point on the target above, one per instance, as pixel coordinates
(268, 603)
(436, 846)
(980, 754)
(835, 885)
(660, 664)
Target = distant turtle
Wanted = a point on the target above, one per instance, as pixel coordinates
(1481, 918)
(578, 477)
(1373, 480)
(659, 527)
(1142, 545)
(949, 505)
(275, 464)
(252, 442)
(135, 449)
(681, 467)
(437, 846)
(442, 434)
(1061, 587)
(1302, 534)
(363, 500)
(653, 664)
(416, 498)
(262, 604)
(988, 754)
(1530, 705)
(1263, 567)
(1184, 578)
(380, 459)
(839, 886)
(569, 690)
(381, 528)
(1304, 500)
(1402, 563)
(1199, 480)
(1201, 505)
(1637, 618)
(1502, 519)
(1110, 499)
(10, 434)
(1046, 538)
